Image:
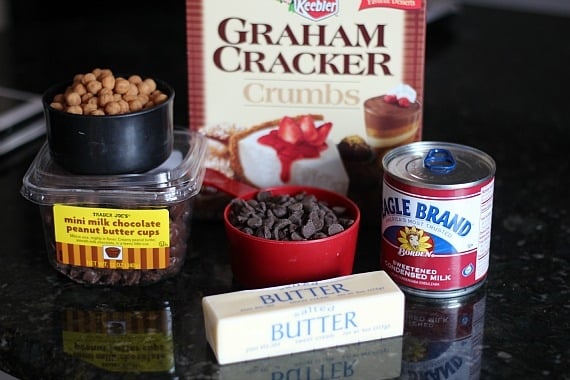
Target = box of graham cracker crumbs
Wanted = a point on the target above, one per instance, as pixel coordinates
(309, 92)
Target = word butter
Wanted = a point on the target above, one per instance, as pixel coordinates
(261, 323)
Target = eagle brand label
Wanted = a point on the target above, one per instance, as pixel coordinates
(436, 237)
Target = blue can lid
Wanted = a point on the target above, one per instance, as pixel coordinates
(437, 164)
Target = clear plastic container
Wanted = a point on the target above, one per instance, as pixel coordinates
(128, 229)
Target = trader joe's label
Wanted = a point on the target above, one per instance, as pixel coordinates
(112, 238)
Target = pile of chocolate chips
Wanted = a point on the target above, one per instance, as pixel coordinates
(288, 217)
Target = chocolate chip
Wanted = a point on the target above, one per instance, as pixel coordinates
(254, 221)
(335, 228)
(308, 229)
(288, 217)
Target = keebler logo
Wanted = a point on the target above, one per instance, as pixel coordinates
(315, 10)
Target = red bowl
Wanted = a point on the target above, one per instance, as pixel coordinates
(257, 262)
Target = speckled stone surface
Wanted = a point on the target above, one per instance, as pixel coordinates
(495, 80)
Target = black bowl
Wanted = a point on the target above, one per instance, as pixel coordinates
(133, 142)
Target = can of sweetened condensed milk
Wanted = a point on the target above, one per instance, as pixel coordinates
(437, 205)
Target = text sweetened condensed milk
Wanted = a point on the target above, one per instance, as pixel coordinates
(336, 83)
(436, 217)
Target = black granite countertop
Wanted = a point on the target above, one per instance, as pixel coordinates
(495, 80)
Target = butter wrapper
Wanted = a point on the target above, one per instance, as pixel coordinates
(262, 323)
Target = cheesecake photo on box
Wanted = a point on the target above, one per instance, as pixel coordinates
(289, 151)
(292, 150)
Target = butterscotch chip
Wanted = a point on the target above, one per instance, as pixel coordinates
(133, 89)
(108, 81)
(151, 84)
(105, 98)
(75, 110)
(79, 88)
(98, 88)
(143, 98)
(144, 88)
(85, 97)
(105, 91)
(101, 73)
(112, 108)
(135, 105)
(124, 106)
(159, 98)
(135, 79)
(73, 99)
(57, 105)
(121, 85)
(94, 86)
(87, 78)
(88, 108)
(129, 98)
(77, 77)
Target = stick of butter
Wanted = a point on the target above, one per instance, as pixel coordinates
(262, 323)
